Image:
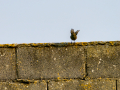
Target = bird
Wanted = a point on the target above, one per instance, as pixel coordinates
(73, 34)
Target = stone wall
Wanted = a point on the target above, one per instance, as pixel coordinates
(60, 66)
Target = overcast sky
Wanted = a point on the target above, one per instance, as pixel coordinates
(50, 21)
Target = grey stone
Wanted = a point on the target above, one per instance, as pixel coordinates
(118, 83)
(103, 61)
(7, 63)
(97, 84)
(51, 62)
(23, 86)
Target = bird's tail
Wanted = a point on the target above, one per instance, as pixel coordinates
(77, 32)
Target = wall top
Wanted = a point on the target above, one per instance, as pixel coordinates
(62, 44)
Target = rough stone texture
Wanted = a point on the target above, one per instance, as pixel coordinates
(23, 86)
(97, 84)
(118, 84)
(51, 62)
(7, 63)
(62, 64)
(65, 85)
(103, 61)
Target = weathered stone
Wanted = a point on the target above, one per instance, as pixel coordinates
(65, 85)
(51, 62)
(103, 61)
(118, 83)
(7, 63)
(23, 86)
(97, 84)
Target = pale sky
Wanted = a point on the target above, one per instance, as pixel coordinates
(50, 21)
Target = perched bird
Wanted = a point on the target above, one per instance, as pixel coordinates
(74, 34)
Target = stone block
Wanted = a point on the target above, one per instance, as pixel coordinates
(65, 85)
(7, 63)
(99, 84)
(23, 86)
(93, 84)
(103, 61)
(118, 83)
(51, 62)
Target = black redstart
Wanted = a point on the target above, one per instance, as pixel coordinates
(74, 34)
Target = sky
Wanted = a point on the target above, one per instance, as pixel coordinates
(50, 21)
